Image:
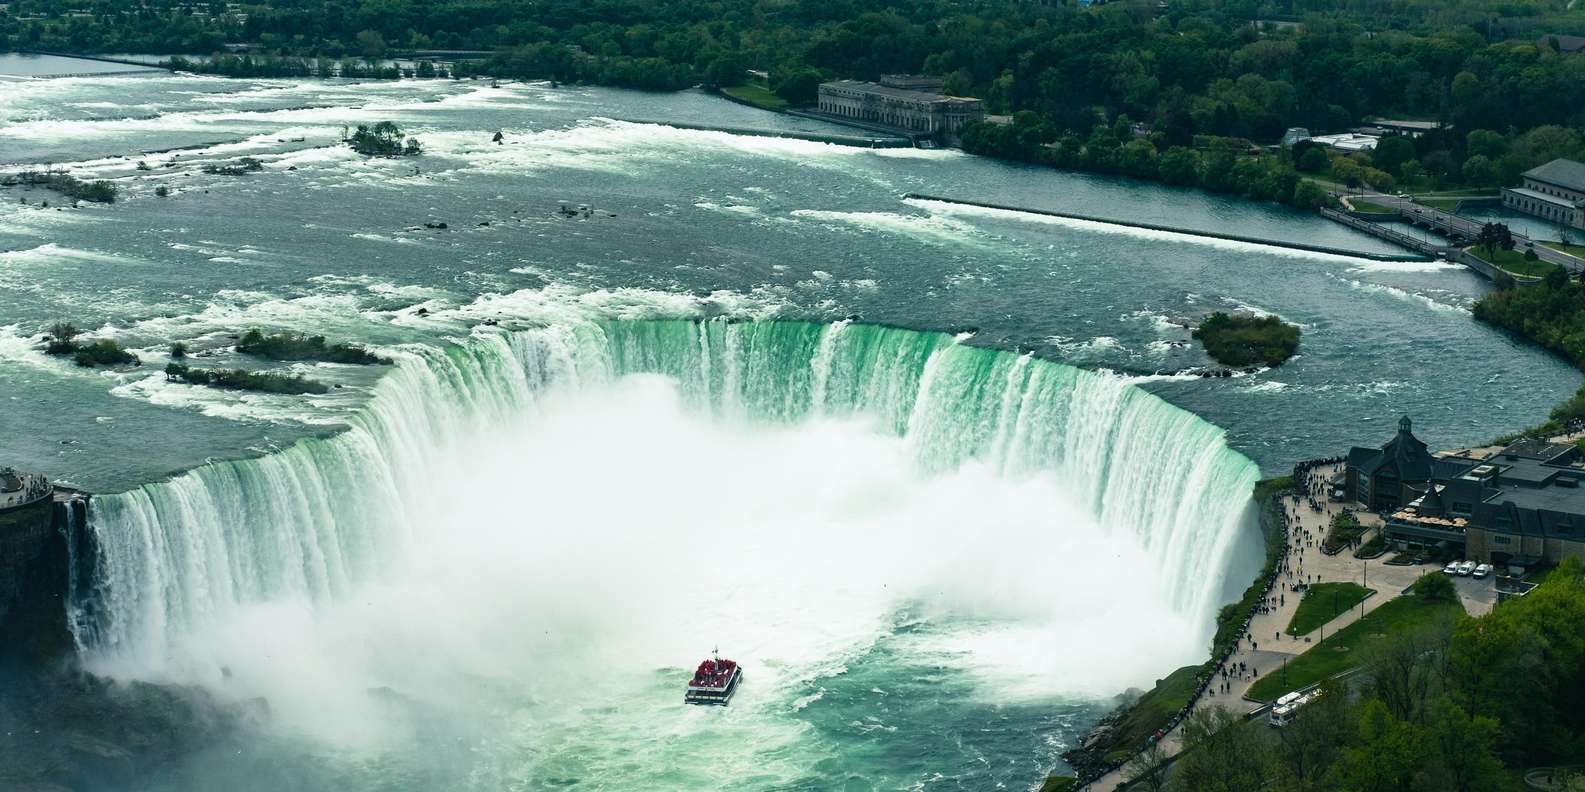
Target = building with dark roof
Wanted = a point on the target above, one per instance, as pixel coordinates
(1521, 506)
(1562, 43)
(909, 104)
(1554, 191)
(1398, 472)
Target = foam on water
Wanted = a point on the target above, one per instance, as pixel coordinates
(540, 500)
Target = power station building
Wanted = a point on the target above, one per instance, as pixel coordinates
(908, 103)
(1554, 191)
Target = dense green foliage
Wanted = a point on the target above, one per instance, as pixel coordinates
(1550, 313)
(297, 346)
(1247, 340)
(242, 379)
(1324, 602)
(383, 140)
(64, 183)
(1449, 704)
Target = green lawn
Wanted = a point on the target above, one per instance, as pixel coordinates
(1154, 708)
(1323, 602)
(1572, 250)
(756, 95)
(1368, 206)
(1445, 204)
(1511, 261)
(1341, 651)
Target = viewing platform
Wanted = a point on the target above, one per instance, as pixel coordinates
(18, 489)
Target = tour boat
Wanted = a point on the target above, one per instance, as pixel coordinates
(714, 682)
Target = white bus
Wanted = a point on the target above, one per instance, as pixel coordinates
(1285, 708)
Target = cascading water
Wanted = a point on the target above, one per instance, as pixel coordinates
(328, 537)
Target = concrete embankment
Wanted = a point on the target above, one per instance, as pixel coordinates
(1337, 251)
(817, 137)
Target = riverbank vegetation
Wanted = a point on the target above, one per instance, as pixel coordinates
(242, 379)
(1235, 340)
(298, 346)
(1550, 313)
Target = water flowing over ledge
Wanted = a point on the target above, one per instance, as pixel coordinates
(315, 521)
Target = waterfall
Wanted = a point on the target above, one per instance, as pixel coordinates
(317, 520)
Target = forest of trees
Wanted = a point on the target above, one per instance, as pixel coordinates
(1459, 705)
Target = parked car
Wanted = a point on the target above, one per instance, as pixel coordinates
(1466, 568)
(1451, 568)
(1482, 570)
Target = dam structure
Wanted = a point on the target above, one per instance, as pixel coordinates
(1312, 248)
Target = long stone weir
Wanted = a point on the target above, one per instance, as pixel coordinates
(1337, 251)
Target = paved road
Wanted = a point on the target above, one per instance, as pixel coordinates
(1468, 228)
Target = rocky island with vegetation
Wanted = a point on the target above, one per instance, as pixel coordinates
(98, 191)
(384, 139)
(299, 346)
(61, 341)
(242, 379)
(1245, 341)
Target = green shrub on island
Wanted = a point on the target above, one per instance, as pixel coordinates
(297, 346)
(104, 352)
(241, 167)
(242, 379)
(64, 183)
(383, 140)
(1248, 340)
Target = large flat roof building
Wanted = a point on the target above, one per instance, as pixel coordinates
(1521, 506)
(897, 102)
(1554, 191)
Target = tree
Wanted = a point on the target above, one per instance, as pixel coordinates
(1462, 752)
(1486, 143)
(371, 43)
(799, 87)
(1314, 160)
(1436, 587)
(1148, 769)
(1479, 170)
(1221, 753)
(1392, 151)
(1386, 757)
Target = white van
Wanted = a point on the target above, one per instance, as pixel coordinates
(1482, 570)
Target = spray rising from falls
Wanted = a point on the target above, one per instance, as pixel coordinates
(326, 520)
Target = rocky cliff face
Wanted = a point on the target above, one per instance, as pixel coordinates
(35, 574)
(62, 728)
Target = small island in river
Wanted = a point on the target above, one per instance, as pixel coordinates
(1235, 340)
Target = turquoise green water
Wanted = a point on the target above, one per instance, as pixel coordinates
(939, 548)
